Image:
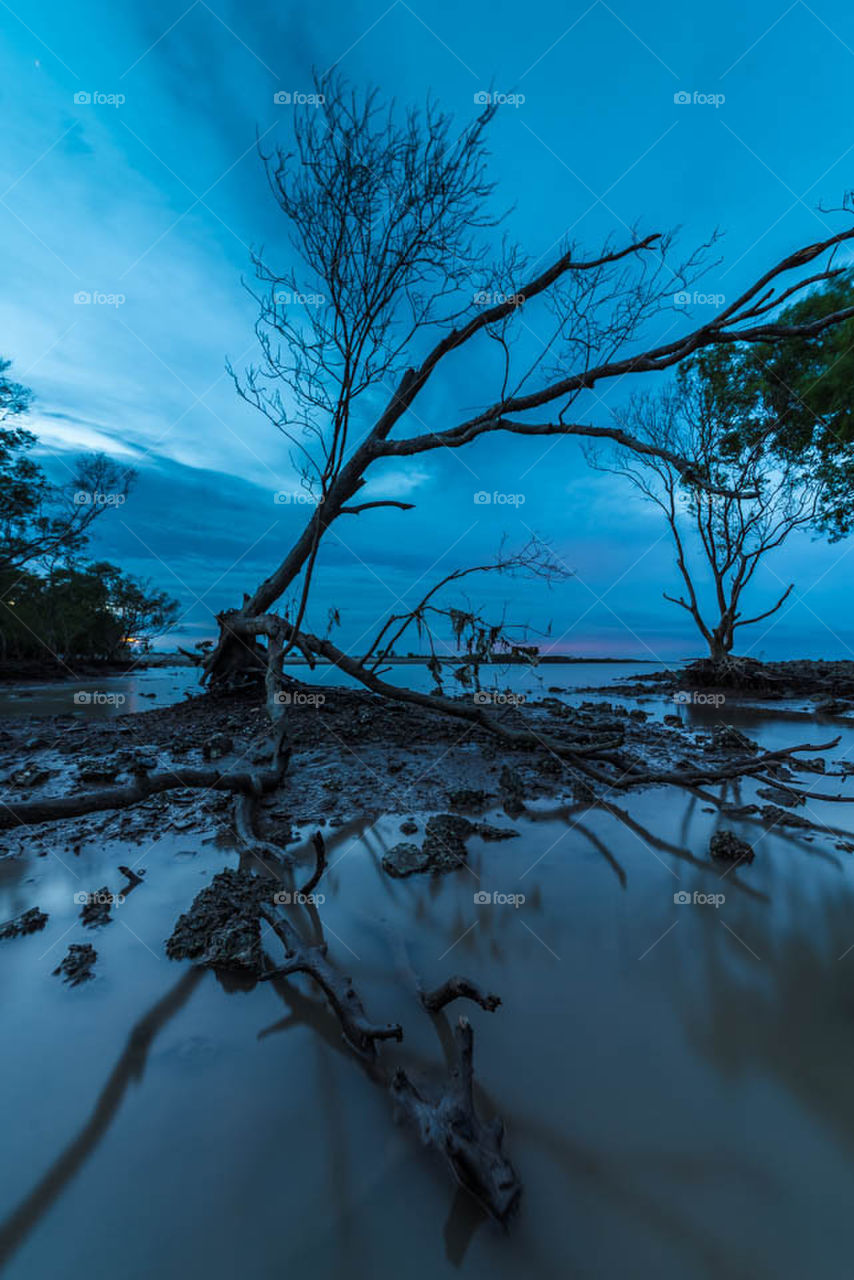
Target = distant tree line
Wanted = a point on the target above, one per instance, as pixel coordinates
(55, 606)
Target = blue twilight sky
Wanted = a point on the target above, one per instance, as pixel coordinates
(158, 199)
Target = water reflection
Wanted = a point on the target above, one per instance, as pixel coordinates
(129, 1069)
(674, 1078)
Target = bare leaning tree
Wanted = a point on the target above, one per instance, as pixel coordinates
(389, 218)
(751, 500)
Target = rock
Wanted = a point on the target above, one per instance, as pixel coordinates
(98, 772)
(28, 922)
(673, 721)
(467, 798)
(728, 847)
(31, 776)
(409, 827)
(78, 963)
(487, 832)
(512, 791)
(405, 860)
(217, 745)
(138, 761)
(444, 841)
(727, 738)
(222, 928)
(96, 908)
(788, 799)
(777, 817)
(443, 848)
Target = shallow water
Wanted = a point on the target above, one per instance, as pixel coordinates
(101, 697)
(675, 1077)
(106, 696)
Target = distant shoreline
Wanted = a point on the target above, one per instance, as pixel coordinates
(36, 673)
(550, 659)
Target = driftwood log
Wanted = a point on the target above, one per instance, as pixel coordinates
(451, 1125)
(455, 988)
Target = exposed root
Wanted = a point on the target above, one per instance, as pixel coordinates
(359, 1032)
(144, 785)
(452, 1126)
(457, 988)
(320, 850)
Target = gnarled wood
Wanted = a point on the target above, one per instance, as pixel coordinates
(360, 1033)
(452, 1126)
(456, 988)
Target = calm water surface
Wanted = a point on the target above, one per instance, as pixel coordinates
(676, 1079)
(159, 686)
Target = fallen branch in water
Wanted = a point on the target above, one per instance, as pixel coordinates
(452, 1126)
(457, 988)
(320, 850)
(311, 960)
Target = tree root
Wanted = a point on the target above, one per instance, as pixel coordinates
(457, 988)
(320, 850)
(144, 785)
(452, 1126)
(360, 1033)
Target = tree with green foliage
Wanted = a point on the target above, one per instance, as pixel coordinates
(51, 605)
(43, 524)
(797, 396)
(96, 612)
(749, 501)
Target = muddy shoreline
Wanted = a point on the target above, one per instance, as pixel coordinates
(573, 907)
(356, 756)
(15, 673)
(820, 681)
